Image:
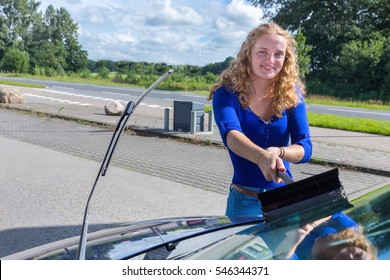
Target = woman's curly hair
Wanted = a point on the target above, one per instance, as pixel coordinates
(350, 237)
(238, 76)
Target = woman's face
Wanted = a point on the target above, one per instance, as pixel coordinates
(326, 249)
(268, 55)
(351, 253)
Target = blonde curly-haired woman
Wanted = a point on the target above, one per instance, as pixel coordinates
(259, 108)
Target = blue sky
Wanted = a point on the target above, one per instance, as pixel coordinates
(171, 31)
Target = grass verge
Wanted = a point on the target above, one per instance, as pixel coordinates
(326, 100)
(20, 84)
(318, 120)
(350, 124)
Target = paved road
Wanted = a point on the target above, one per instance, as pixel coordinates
(63, 91)
(45, 184)
(202, 166)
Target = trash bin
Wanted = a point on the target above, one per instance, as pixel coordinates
(182, 115)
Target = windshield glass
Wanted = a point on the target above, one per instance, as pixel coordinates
(360, 232)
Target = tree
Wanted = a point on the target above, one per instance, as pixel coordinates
(26, 29)
(15, 61)
(161, 68)
(121, 68)
(50, 55)
(76, 58)
(330, 26)
(17, 18)
(217, 68)
(101, 67)
(303, 53)
(62, 33)
(361, 69)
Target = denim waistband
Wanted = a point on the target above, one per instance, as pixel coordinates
(253, 189)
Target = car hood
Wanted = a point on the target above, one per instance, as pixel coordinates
(138, 238)
(221, 237)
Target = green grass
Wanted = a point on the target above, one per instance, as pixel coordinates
(20, 84)
(326, 100)
(318, 120)
(350, 124)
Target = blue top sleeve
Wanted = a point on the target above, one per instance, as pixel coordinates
(291, 128)
(299, 129)
(225, 112)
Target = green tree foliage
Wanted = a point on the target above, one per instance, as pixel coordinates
(50, 39)
(15, 61)
(331, 27)
(303, 53)
(16, 19)
(362, 69)
(101, 67)
(217, 68)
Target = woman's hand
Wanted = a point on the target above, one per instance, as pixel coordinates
(274, 150)
(292, 153)
(269, 163)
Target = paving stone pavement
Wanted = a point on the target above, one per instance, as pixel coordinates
(203, 166)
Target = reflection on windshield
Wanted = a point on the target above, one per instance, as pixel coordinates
(335, 237)
(349, 244)
(361, 232)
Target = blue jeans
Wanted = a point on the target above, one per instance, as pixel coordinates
(242, 205)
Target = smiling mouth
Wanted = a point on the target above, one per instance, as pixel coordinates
(268, 68)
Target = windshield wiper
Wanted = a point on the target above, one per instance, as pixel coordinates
(130, 107)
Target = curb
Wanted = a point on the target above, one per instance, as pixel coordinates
(351, 167)
(139, 130)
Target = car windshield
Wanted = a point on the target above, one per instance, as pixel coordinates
(361, 232)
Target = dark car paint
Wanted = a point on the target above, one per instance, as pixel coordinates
(209, 237)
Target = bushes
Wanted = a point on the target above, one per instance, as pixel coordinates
(361, 72)
(15, 61)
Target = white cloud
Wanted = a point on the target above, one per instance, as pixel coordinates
(170, 31)
(235, 23)
(165, 14)
(243, 14)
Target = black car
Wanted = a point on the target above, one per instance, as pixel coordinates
(235, 238)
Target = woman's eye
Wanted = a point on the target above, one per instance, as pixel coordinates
(279, 55)
(262, 53)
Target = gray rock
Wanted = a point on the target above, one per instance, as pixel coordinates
(10, 96)
(114, 108)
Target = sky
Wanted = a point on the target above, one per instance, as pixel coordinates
(176, 32)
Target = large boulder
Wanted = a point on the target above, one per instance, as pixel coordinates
(114, 108)
(10, 96)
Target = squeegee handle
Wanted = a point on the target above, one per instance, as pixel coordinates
(287, 179)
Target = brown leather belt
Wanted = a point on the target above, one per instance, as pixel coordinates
(246, 191)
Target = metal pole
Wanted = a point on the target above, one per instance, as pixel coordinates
(166, 119)
(193, 122)
(211, 121)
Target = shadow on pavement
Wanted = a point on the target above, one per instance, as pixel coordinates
(19, 239)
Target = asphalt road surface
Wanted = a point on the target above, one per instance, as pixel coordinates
(57, 91)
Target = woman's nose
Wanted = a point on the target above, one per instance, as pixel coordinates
(270, 57)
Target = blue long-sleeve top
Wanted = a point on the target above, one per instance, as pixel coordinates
(336, 224)
(291, 128)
